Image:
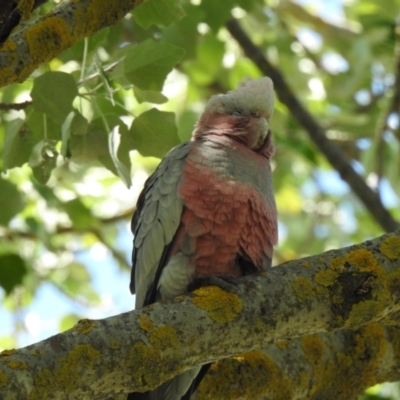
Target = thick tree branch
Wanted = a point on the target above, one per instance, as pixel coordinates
(61, 28)
(301, 368)
(340, 289)
(332, 152)
(11, 13)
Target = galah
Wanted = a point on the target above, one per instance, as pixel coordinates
(208, 210)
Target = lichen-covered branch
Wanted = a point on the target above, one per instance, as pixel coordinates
(12, 12)
(300, 368)
(340, 289)
(332, 152)
(42, 40)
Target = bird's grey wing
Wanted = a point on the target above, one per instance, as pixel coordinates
(155, 223)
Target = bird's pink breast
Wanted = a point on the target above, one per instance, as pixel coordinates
(224, 217)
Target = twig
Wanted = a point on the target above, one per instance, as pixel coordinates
(332, 152)
(394, 108)
(62, 230)
(16, 106)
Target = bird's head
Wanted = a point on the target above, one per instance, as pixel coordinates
(241, 114)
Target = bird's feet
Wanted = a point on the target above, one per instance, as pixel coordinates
(225, 282)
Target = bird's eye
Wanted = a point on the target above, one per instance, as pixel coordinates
(254, 115)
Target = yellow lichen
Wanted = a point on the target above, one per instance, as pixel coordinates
(3, 379)
(144, 358)
(326, 277)
(81, 356)
(115, 344)
(282, 344)
(390, 247)
(303, 289)
(7, 75)
(25, 8)
(363, 312)
(146, 323)
(306, 264)
(337, 299)
(9, 45)
(364, 260)
(221, 306)
(234, 378)
(36, 352)
(313, 347)
(44, 380)
(65, 376)
(260, 325)
(366, 350)
(6, 353)
(371, 337)
(164, 338)
(18, 365)
(361, 259)
(49, 36)
(84, 326)
(97, 13)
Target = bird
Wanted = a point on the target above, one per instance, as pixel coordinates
(208, 210)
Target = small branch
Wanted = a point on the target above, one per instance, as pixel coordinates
(137, 351)
(16, 106)
(395, 105)
(61, 230)
(332, 152)
(394, 108)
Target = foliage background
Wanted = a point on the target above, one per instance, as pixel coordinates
(95, 120)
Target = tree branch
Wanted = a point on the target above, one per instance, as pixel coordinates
(15, 106)
(300, 368)
(340, 289)
(61, 28)
(332, 152)
(11, 13)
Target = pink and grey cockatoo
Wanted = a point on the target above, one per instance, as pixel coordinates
(208, 210)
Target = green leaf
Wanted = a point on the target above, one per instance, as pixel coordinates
(74, 279)
(248, 5)
(79, 124)
(80, 215)
(18, 144)
(12, 271)
(68, 321)
(184, 33)
(53, 93)
(158, 12)
(154, 133)
(43, 160)
(43, 127)
(11, 201)
(186, 123)
(117, 158)
(89, 147)
(42, 172)
(207, 65)
(217, 12)
(47, 194)
(149, 96)
(147, 64)
(114, 140)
